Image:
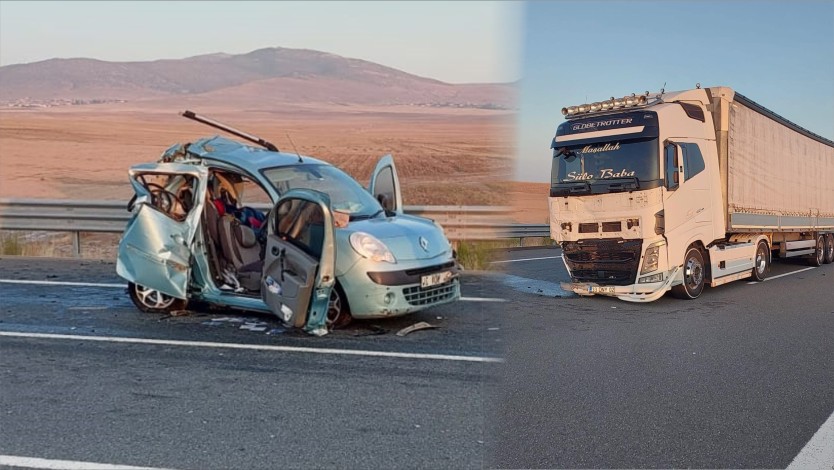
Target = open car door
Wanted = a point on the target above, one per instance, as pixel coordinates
(155, 249)
(385, 185)
(300, 259)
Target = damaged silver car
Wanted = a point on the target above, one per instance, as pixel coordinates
(257, 229)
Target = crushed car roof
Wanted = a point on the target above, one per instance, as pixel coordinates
(246, 157)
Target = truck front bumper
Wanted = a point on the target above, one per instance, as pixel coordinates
(632, 293)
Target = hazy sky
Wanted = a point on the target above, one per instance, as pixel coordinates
(779, 54)
(456, 42)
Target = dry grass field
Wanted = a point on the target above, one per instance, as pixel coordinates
(444, 156)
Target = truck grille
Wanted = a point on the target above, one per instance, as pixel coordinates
(610, 261)
(612, 226)
(588, 228)
(425, 296)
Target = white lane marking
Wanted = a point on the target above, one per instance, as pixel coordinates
(783, 275)
(254, 347)
(481, 299)
(524, 259)
(34, 462)
(62, 283)
(819, 451)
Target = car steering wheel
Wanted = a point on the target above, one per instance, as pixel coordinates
(165, 200)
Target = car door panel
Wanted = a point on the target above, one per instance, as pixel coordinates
(155, 248)
(299, 262)
(385, 185)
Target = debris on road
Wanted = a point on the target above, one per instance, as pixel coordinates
(416, 327)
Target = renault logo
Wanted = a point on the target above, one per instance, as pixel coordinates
(424, 244)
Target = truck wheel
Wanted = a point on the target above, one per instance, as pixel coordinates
(829, 248)
(152, 301)
(818, 257)
(693, 275)
(762, 261)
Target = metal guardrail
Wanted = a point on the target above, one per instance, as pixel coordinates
(76, 216)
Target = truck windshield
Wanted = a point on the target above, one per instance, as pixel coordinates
(605, 166)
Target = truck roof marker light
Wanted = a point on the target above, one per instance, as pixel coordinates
(583, 108)
(630, 100)
(608, 104)
(564, 111)
(619, 102)
(596, 106)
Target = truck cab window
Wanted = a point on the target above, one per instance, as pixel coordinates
(671, 167)
(693, 161)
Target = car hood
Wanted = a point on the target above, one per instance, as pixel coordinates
(402, 235)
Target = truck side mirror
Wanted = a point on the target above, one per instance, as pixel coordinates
(672, 163)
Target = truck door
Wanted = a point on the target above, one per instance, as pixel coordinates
(385, 185)
(155, 248)
(299, 262)
(687, 207)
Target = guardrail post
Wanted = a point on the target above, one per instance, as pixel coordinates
(76, 244)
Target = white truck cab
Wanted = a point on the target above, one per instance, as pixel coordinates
(674, 191)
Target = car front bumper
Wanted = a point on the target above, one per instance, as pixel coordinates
(372, 293)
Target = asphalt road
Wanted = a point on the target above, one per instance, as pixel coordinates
(179, 406)
(742, 377)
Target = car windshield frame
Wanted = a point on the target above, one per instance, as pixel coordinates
(346, 194)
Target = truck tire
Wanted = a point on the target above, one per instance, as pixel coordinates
(829, 248)
(818, 258)
(762, 261)
(693, 275)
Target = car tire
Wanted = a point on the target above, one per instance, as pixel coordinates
(818, 258)
(761, 261)
(338, 310)
(694, 272)
(152, 301)
(829, 248)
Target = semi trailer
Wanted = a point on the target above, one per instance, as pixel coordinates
(675, 191)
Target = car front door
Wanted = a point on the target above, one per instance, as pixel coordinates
(155, 248)
(300, 259)
(385, 185)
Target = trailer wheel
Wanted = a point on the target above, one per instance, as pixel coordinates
(818, 258)
(829, 248)
(693, 275)
(762, 261)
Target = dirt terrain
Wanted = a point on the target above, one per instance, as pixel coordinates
(530, 202)
(444, 156)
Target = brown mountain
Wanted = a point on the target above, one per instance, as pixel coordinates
(269, 76)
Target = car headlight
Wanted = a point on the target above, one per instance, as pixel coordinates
(371, 248)
(652, 257)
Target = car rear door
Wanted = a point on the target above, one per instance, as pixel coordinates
(385, 185)
(155, 248)
(300, 259)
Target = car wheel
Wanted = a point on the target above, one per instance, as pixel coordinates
(818, 258)
(338, 312)
(762, 261)
(829, 248)
(153, 301)
(693, 275)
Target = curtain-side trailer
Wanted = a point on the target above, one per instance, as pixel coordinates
(685, 189)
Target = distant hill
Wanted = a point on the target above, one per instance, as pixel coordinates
(269, 76)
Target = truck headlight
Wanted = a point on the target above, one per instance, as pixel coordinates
(653, 278)
(650, 261)
(370, 247)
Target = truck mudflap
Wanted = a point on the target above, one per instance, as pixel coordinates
(632, 293)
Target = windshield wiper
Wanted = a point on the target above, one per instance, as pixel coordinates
(573, 187)
(364, 217)
(632, 184)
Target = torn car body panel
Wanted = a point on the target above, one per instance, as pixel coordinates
(155, 249)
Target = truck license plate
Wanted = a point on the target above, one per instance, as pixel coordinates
(601, 289)
(431, 280)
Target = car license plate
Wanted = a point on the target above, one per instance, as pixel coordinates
(431, 280)
(601, 289)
